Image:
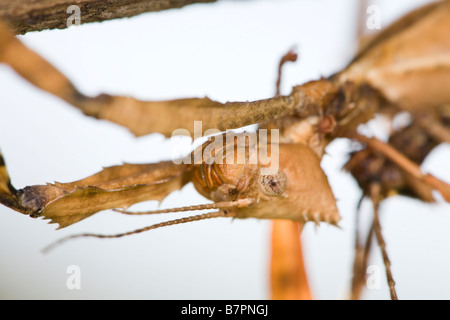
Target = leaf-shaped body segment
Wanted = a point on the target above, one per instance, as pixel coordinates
(409, 62)
(300, 189)
(114, 187)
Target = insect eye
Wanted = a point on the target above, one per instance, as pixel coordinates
(273, 183)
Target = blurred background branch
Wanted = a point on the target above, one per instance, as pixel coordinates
(30, 15)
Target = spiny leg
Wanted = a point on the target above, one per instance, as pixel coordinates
(380, 169)
(114, 187)
(403, 162)
(358, 274)
(360, 271)
(370, 166)
(362, 252)
(375, 197)
(144, 117)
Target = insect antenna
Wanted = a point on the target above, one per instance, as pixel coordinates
(217, 205)
(209, 215)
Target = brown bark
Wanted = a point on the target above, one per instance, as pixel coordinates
(31, 15)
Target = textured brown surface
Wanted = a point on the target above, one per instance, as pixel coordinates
(144, 117)
(113, 187)
(36, 15)
(409, 62)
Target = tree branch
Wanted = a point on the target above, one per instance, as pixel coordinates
(30, 15)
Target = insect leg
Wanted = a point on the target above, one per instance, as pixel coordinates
(362, 252)
(375, 194)
(113, 187)
(434, 127)
(142, 117)
(406, 164)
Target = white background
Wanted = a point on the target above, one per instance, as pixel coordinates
(228, 51)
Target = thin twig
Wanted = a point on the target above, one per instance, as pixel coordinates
(374, 194)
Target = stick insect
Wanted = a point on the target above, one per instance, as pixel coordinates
(309, 118)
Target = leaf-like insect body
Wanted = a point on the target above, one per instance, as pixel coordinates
(114, 187)
(296, 189)
(308, 195)
(409, 62)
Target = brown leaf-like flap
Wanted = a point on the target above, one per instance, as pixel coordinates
(140, 117)
(395, 28)
(409, 62)
(307, 195)
(114, 187)
(144, 117)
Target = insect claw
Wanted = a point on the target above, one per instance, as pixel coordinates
(335, 224)
(316, 218)
(305, 216)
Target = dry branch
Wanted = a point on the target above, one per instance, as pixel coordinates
(30, 15)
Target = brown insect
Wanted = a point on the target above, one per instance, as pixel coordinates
(393, 73)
